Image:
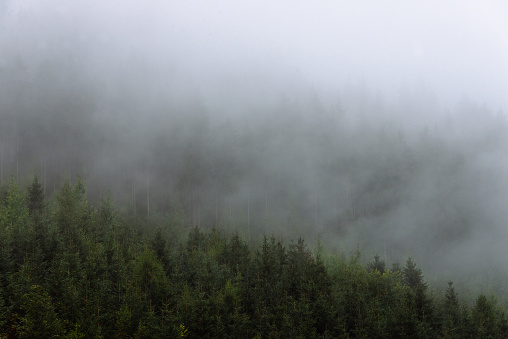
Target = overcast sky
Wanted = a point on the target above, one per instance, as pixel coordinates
(455, 48)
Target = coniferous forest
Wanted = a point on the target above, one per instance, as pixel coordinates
(218, 169)
(69, 269)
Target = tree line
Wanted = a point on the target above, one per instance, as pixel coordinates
(70, 269)
(388, 175)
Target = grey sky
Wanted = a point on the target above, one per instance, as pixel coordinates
(455, 48)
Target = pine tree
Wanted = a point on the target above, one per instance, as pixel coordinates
(483, 317)
(451, 310)
(14, 214)
(13, 224)
(451, 299)
(159, 246)
(412, 276)
(40, 319)
(35, 198)
(72, 213)
(36, 210)
(150, 278)
(376, 265)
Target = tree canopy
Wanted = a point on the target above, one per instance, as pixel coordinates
(99, 273)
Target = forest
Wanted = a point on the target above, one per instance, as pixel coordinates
(204, 169)
(72, 270)
(399, 178)
(130, 209)
(216, 203)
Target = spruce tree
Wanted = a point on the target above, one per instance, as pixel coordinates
(412, 276)
(376, 265)
(35, 198)
(13, 224)
(483, 316)
(40, 319)
(451, 312)
(36, 210)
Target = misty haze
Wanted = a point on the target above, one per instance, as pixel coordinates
(374, 132)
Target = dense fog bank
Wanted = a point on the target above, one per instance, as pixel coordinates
(354, 169)
(257, 147)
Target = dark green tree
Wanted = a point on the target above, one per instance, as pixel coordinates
(150, 279)
(452, 324)
(40, 319)
(159, 246)
(35, 199)
(376, 265)
(483, 318)
(412, 276)
(106, 226)
(72, 215)
(13, 224)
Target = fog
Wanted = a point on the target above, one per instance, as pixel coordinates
(378, 126)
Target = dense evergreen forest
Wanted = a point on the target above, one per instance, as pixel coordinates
(69, 269)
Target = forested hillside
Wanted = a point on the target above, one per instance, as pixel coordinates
(69, 269)
(253, 145)
(403, 178)
(160, 160)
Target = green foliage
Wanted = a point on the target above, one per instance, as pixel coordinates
(106, 223)
(13, 213)
(184, 332)
(412, 276)
(72, 214)
(376, 265)
(4, 313)
(35, 198)
(14, 229)
(484, 318)
(40, 319)
(452, 320)
(150, 278)
(91, 275)
(123, 322)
